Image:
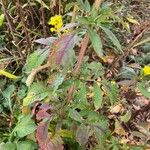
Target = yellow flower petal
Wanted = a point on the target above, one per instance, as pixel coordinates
(52, 29)
(146, 70)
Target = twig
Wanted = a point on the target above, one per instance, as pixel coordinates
(43, 20)
(22, 17)
(34, 72)
(11, 27)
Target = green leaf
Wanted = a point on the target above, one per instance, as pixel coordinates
(37, 92)
(98, 97)
(8, 146)
(36, 59)
(87, 6)
(43, 4)
(96, 42)
(73, 114)
(82, 94)
(26, 145)
(7, 93)
(1, 19)
(142, 42)
(125, 118)
(112, 37)
(24, 126)
(83, 20)
(59, 80)
(8, 75)
(144, 90)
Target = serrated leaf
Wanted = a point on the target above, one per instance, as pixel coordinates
(37, 92)
(96, 42)
(144, 90)
(98, 97)
(24, 126)
(73, 114)
(8, 75)
(112, 37)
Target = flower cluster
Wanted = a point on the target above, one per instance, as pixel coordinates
(56, 23)
(146, 70)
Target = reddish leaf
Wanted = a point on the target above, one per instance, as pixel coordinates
(42, 136)
(63, 46)
(43, 112)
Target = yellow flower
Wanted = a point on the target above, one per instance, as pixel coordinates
(146, 70)
(113, 82)
(52, 29)
(56, 22)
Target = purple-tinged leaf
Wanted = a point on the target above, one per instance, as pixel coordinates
(45, 41)
(69, 26)
(43, 112)
(42, 137)
(64, 46)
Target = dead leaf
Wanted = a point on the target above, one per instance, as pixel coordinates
(116, 109)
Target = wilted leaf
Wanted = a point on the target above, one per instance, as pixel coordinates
(98, 97)
(96, 42)
(24, 126)
(116, 109)
(75, 115)
(119, 129)
(45, 41)
(82, 134)
(7, 74)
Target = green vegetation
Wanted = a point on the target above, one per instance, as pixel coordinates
(74, 75)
